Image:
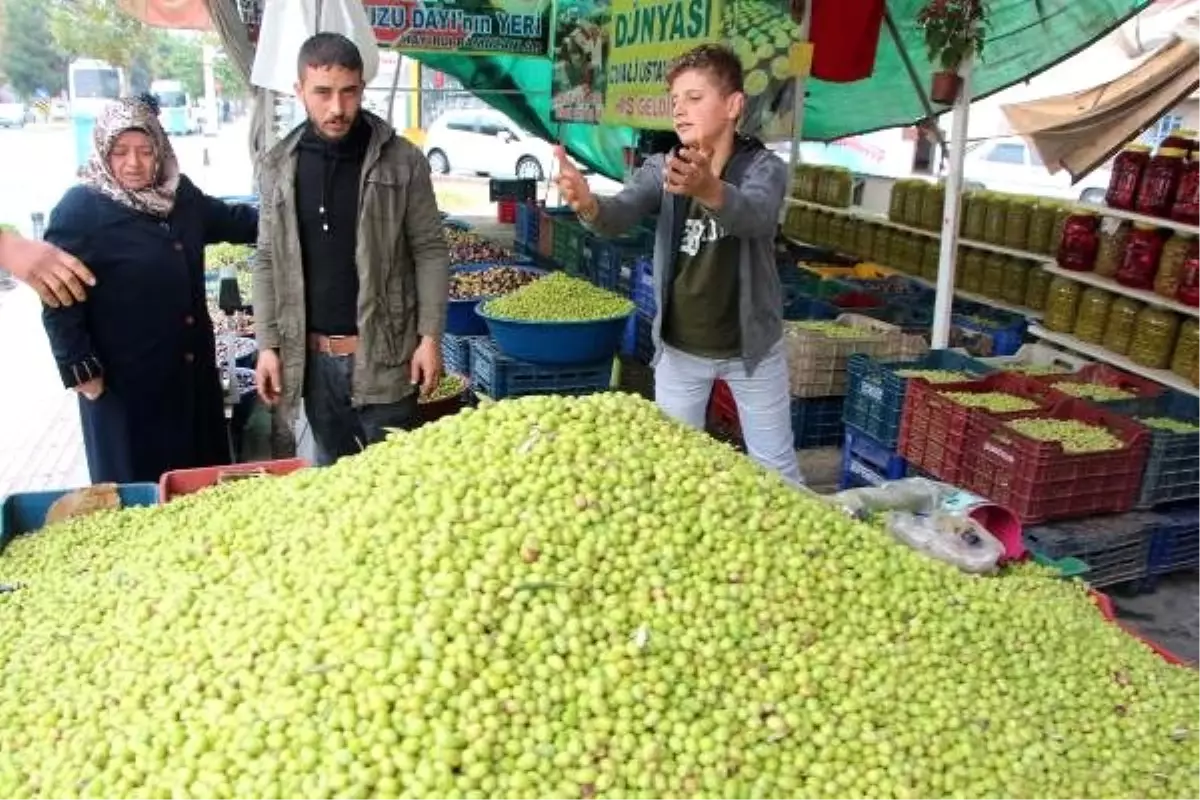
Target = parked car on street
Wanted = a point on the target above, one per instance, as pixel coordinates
(486, 142)
(13, 115)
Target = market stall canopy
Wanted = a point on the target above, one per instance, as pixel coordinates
(1078, 132)
(1024, 38)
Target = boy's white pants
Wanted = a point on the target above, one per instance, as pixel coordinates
(683, 384)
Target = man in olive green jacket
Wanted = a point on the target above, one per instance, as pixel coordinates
(352, 274)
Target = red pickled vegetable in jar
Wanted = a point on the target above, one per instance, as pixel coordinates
(1127, 172)
(1139, 264)
(1080, 242)
(1181, 139)
(1189, 281)
(1186, 207)
(1160, 181)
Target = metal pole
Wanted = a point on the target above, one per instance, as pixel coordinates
(913, 77)
(944, 300)
(798, 111)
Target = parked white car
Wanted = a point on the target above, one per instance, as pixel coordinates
(13, 115)
(484, 141)
(1010, 165)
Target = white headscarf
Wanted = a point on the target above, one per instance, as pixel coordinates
(133, 114)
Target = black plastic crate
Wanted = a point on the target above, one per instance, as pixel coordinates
(817, 421)
(523, 190)
(1116, 547)
(1173, 463)
(498, 376)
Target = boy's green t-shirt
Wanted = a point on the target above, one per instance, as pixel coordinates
(701, 315)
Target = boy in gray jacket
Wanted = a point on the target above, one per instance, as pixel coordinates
(719, 306)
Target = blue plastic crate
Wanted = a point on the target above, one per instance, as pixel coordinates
(875, 393)
(1173, 463)
(25, 512)
(638, 341)
(858, 445)
(612, 258)
(802, 306)
(1176, 545)
(816, 421)
(643, 287)
(857, 474)
(527, 227)
(987, 331)
(1116, 547)
(498, 376)
(456, 353)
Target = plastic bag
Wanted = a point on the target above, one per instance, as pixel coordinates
(286, 24)
(951, 538)
(917, 495)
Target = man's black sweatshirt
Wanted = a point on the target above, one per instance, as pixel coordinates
(327, 180)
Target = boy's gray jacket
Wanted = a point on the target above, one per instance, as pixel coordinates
(403, 266)
(754, 190)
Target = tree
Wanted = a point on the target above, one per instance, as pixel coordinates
(28, 56)
(181, 59)
(99, 29)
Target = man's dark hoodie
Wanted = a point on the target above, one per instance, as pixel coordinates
(327, 180)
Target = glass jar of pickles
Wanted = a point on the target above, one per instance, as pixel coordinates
(932, 204)
(1080, 242)
(864, 240)
(1154, 337)
(1062, 213)
(931, 254)
(840, 187)
(881, 246)
(1016, 280)
(837, 232)
(914, 200)
(993, 275)
(1062, 301)
(896, 200)
(1122, 319)
(975, 215)
(996, 219)
(1113, 236)
(1036, 288)
(821, 222)
(806, 183)
(1092, 317)
(1041, 227)
(1170, 264)
(1016, 222)
(1187, 349)
(972, 270)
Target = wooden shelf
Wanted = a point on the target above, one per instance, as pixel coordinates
(1150, 298)
(1133, 216)
(1165, 377)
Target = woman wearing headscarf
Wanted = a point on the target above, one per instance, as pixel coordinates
(140, 351)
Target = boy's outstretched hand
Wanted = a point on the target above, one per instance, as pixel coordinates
(573, 186)
(689, 172)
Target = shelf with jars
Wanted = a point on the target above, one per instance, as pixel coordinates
(1100, 353)
(1160, 189)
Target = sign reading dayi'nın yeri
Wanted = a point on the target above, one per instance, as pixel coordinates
(644, 36)
(466, 27)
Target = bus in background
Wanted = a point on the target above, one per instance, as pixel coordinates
(175, 108)
(91, 85)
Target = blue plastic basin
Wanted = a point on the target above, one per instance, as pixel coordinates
(557, 342)
(461, 319)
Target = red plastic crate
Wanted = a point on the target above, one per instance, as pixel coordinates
(189, 481)
(1038, 481)
(937, 435)
(1107, 610)
(506, 212)
(1146, 391)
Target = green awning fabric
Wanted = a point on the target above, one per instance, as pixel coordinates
(1025, 37)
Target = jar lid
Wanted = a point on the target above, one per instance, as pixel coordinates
(1172, 152)
(1183, 133)
(1145, 226)
(1137, 147)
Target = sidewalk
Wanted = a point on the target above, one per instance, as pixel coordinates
(41, 446)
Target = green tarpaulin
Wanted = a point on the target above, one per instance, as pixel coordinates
(1025, 37)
